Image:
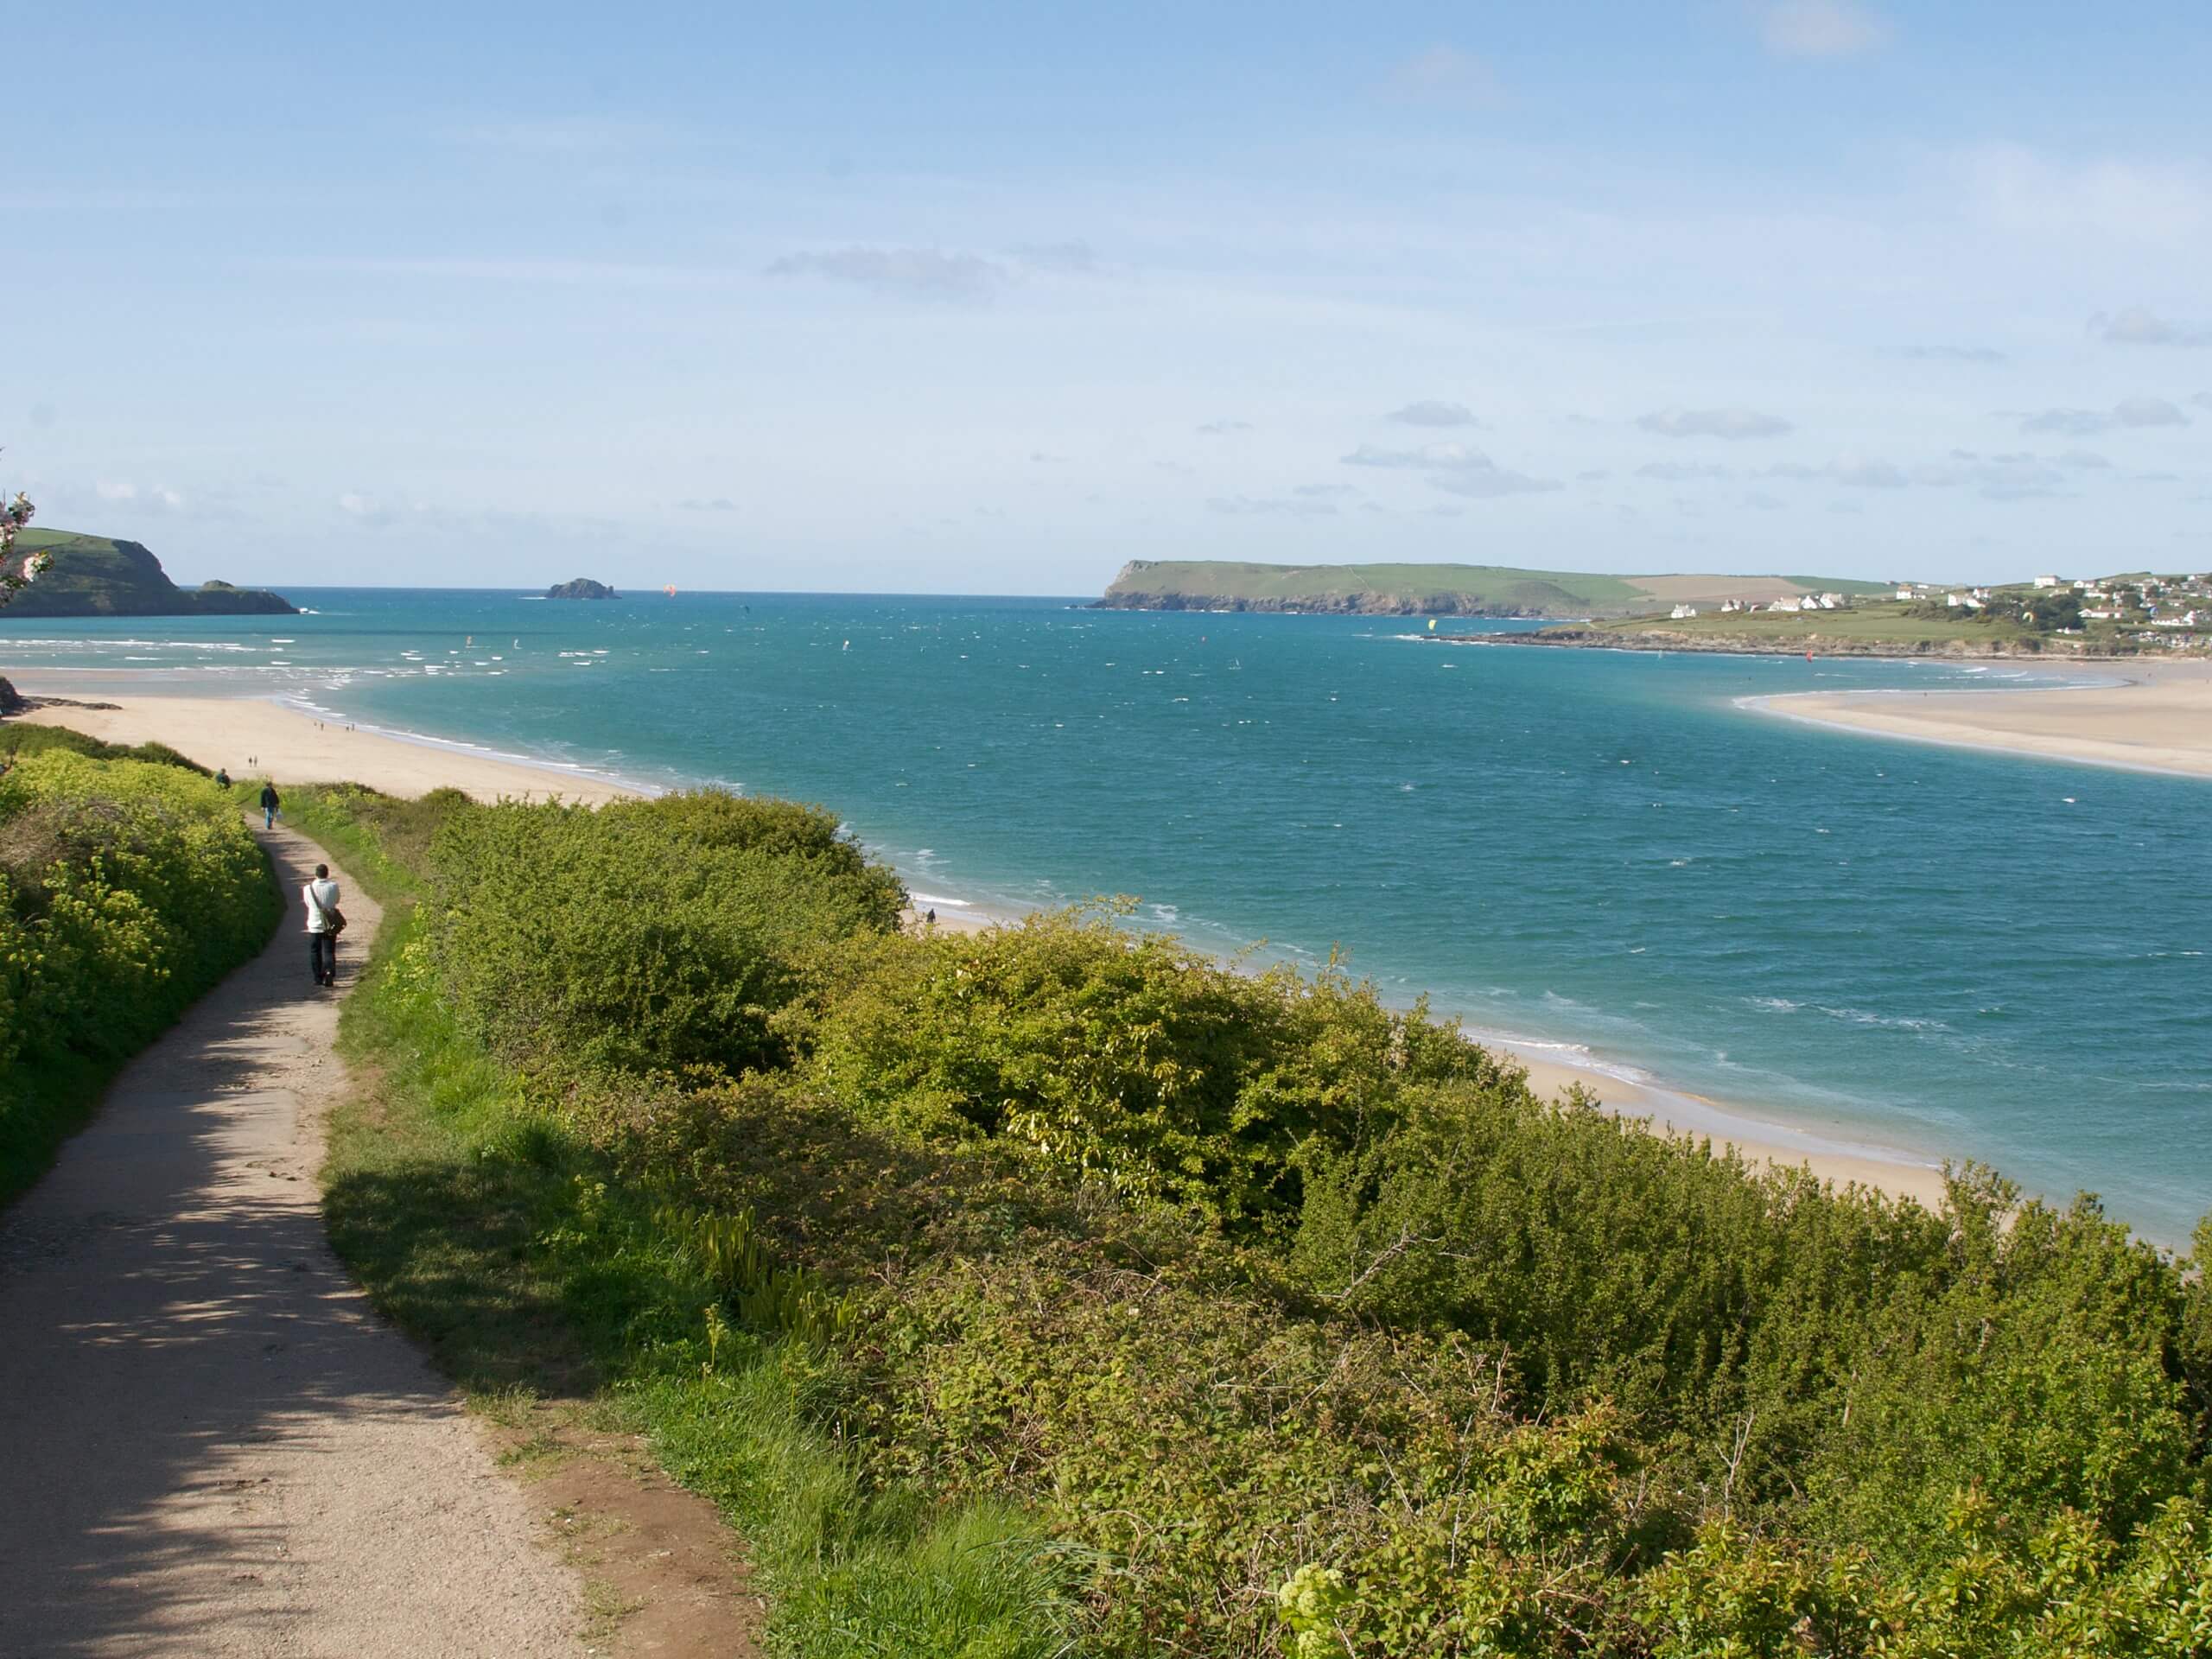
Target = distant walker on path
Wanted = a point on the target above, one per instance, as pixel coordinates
(325, 922)
(270, 800)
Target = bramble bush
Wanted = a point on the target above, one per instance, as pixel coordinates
(1298, 1324)
(127, 888)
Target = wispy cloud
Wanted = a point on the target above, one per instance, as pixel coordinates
(920, 273)
(367, 510)
(1455, 468)
(2129, 412)
(1433, 412)
(1956, 353)
(1820, 28)
(1866, 473)
(1222, 428)
(1295, 509)
(1733, 423)
(1681, 471)
(563, 136)
(714, 504)
(2139, 326)
(1444, 75)
(1076, 258)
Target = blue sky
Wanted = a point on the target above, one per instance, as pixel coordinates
(992, 298)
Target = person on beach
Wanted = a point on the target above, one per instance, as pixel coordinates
(325, 920)
(270, 800)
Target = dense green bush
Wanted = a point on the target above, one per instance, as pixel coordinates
(1297, 1322)
(127, 888)
(669, 932)
(1127, 1059)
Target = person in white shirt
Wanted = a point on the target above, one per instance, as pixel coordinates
(324, 921)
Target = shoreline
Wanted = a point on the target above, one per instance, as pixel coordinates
(294, 746)
(2157, 719)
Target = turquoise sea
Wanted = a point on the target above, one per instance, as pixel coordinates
(1889, 945)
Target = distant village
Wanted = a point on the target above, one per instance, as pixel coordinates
(2169, 611)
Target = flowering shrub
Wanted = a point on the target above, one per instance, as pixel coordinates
(14, 578)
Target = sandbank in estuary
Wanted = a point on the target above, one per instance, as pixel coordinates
(2156, 715)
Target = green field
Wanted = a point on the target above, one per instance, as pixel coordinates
(1435, 590)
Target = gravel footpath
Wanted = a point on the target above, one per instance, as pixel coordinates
(209, 1443)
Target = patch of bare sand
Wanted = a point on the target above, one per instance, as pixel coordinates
(251, 738)
(2159, 720)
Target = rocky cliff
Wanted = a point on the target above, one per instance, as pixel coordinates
(96, 575)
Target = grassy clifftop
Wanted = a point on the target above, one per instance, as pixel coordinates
(1433, 589)
(98, 576)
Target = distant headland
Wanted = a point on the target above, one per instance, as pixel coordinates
(1436, 590)
(98, 576)
(581, 587)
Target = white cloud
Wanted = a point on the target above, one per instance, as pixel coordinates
(1241, 504)
(1762, 500)
(716, 503)
(2148, 411)
(1455, 468)
(1444, 75)
(1956, 353)
(1074, 257)
(1679, 472)
(2135, 325)
(2015, 189)
(1820, 28)
(1430, 457)
(2086, 423)
(1222, 428)
(1865, 472)
(923, 273)
(364, 510)
(1433, 412)
(113, 491)
(1489, 481)
(1714, 423)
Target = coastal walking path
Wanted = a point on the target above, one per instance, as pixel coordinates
(209, 1444)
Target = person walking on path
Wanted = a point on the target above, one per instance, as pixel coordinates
(270, 800)
(214, 1447)
(325, 922)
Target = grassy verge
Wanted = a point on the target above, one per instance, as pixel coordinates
(491, 1234)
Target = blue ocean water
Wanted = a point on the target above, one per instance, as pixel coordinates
(1892, 944)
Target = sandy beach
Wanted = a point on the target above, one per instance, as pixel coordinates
(251, 738)
(293, 747)
(2159, 719)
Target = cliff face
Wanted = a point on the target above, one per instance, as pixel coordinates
(581, 587)
(94, 576)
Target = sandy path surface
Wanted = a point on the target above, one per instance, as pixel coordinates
(2159, 720)
(212, 1447)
